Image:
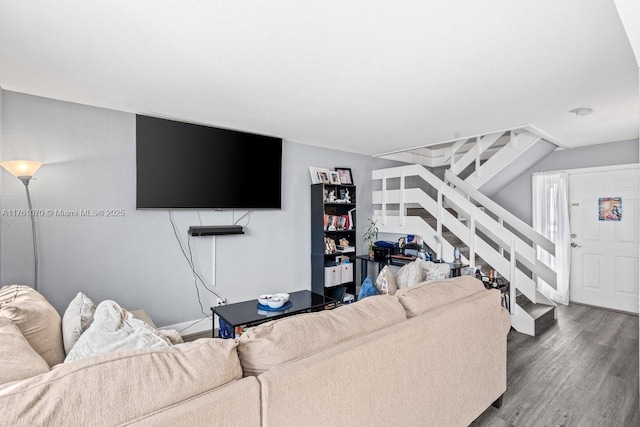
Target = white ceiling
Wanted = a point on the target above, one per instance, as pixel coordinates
(363, 76)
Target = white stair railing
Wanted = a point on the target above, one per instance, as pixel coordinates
(503, 216)
(512, 254)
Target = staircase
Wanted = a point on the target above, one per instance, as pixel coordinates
(454, 213)
(486, 162)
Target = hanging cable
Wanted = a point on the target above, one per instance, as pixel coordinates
(189, 259)
(249, 212)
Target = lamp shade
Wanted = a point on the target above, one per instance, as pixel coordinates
(20, 168)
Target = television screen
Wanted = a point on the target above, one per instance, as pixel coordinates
(183, 165)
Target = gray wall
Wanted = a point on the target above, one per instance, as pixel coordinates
(89, 156)
(516, 197)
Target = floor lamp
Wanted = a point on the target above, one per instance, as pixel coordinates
(24, 171)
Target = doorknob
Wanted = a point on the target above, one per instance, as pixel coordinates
(573, 235)
(575, 245)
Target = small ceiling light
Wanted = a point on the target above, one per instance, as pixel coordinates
(582, 111)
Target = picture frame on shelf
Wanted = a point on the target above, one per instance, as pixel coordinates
(334, 178)
(345, 176)
(324, 177)
(319, 175)
(315, 179)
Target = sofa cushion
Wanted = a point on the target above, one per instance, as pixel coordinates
(18, 360)
(76, 319)
(386, 283)
(273, 343)
(428, 296)
(38, 321)
(116, 388)
(114, 328)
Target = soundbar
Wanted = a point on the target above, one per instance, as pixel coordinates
(215, 230)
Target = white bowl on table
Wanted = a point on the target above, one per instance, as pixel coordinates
(284, 296)
(264, 299)
(275, 302)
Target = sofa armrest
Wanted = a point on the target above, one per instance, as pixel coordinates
(121, 387)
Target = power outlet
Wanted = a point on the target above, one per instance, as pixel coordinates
(220, 301)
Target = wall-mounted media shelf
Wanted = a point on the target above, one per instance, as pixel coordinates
(214, 230)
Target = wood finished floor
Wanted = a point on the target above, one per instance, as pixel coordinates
(583, 372)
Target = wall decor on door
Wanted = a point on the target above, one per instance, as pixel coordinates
(610, 209)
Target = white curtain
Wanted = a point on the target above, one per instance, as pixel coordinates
(551, 219)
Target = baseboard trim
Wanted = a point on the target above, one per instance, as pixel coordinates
(603, 308)
(194, 326)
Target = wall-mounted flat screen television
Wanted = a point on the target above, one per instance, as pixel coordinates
(188, 166)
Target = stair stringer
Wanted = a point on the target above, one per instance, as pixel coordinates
(522, 152)
(518, 165)
(481, 145)
(522, 321)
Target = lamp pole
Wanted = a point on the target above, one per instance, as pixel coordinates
(25, 180)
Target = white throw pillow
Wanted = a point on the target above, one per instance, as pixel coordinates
(410, 274)
(76, 319)
(437, 271)
(114, 328)
(386, 283)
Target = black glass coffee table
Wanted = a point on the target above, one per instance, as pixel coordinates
(246, 313)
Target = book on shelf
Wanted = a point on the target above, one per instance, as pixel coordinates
(343, 222)
(350, 215)
(331, 222)
(337, 222)
(346, 249)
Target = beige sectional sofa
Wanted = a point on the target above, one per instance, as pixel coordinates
(431, 355)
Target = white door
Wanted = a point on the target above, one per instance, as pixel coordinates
(604, 253)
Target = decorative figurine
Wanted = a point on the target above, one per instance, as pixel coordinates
(402, 242)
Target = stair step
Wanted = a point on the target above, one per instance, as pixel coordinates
(543, 315)
(545, 321)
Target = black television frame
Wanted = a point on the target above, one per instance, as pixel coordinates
(166, 126)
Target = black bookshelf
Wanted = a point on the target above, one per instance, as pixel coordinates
(322, 261)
